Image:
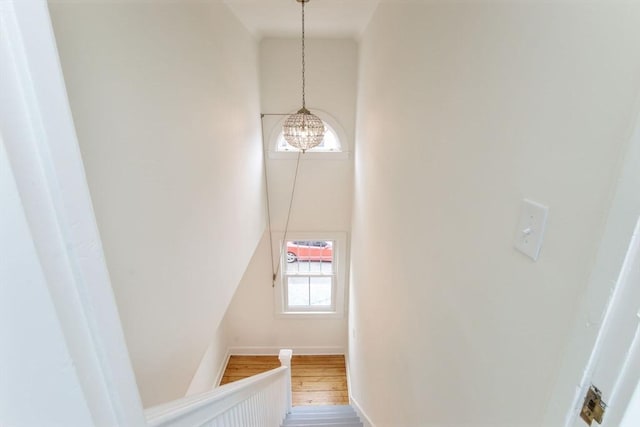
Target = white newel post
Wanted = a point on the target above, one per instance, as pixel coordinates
(285, 360)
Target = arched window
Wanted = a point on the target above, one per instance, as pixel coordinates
(330, 143)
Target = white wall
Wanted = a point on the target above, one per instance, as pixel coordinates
(63, 357)
(34, 390)
(463, 110)
(165, 101)
(252, 326)
(323, 195)
(212, 364)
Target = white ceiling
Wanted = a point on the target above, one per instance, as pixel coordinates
(323, 18)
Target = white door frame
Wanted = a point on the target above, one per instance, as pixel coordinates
(629, 375)
(613, 364)
(38, 132)
(583, 350)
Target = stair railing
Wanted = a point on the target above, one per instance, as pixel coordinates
(262, 400)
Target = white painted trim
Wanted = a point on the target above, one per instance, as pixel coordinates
(274, 351)
(293, 155)
(345, 144)
(628, 378)
(366, 421)
(257, 400)
(203, 379)
(348, 373)
(340, 251)
(583, 349)
(42, 148)
(284, 356)
(221, 369)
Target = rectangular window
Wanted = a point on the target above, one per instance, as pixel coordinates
(312, 276)
(309, 275)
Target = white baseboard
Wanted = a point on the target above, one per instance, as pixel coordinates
(268, 351)
(221, 369)
(363, 417)
(348, 372)
(273, 351)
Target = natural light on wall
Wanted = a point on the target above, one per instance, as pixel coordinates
(330, 143)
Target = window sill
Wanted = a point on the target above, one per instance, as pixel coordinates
(309, 315)
(322, 155)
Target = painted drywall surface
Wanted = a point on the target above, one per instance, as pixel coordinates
(331, 66)
(165, 102)
(212, 364)
(39, 136)
(34, 390)
(463, 111)
(323, 190)
(323, 194)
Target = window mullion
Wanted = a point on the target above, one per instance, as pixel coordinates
(310, 283)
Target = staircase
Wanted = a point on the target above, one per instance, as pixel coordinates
(263, 399)
(322, 416)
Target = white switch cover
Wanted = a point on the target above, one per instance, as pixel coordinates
(533, 217)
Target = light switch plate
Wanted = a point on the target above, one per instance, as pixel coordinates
(530, 231)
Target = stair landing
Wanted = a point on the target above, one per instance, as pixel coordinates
(315, 380)
(322, 416)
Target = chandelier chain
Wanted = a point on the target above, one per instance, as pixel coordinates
(266, 190)
(303, 130)
(303, 62)
(283, 247)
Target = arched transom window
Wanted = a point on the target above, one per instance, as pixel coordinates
(330, 143)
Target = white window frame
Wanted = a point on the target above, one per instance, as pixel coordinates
(339, 265)
(283, 147)
(341, 137)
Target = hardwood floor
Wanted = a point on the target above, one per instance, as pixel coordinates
(315, 380)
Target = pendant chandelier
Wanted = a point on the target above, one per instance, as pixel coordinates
(303, 130)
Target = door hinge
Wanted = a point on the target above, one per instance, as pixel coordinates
(593, 407)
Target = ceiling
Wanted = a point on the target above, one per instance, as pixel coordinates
(323, 18)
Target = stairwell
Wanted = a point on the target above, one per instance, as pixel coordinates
(263, 398)
(322, 416)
